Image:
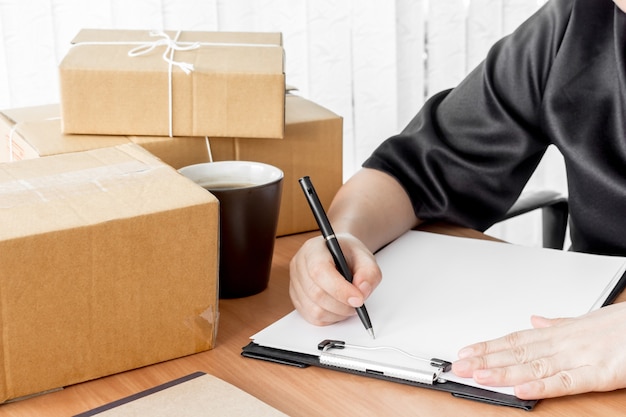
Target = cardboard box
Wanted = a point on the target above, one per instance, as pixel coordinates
(118, 82)
(108, 263)
(312, 146)
(32, 132)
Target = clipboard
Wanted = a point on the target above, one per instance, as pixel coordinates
(302, 360)
(431, 317)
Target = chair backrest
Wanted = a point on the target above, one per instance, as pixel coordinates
(554, 210)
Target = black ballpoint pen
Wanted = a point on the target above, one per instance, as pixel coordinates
(332, 243)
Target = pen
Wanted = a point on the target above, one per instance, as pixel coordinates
(332, 243)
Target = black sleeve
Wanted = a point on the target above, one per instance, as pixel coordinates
(468, 153)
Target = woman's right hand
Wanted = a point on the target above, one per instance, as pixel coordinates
(370, 210)
(319, 292)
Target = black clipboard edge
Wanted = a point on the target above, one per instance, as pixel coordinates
(301, 360)
(616, 291)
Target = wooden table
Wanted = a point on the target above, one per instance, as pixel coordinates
(297, 392)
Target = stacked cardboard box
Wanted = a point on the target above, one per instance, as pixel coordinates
(109, 262)
(109, 255)
(134, 82)
(312, 145)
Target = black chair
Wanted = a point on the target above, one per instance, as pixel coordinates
(555, 209)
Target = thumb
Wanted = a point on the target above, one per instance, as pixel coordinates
(366, 272)
(367, 275)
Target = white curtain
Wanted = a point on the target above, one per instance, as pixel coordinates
(373, 62)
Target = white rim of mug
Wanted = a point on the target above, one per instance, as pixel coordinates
(277, 175)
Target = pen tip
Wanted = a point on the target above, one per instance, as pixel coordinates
(371, 332)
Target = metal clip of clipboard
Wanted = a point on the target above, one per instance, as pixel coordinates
(428, 374)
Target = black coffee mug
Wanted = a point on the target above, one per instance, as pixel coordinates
(249, 194)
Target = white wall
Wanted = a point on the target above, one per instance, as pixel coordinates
(371, 61)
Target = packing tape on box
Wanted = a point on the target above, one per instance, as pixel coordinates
(45, 188)
(172, 45)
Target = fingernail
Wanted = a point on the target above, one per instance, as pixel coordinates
(467, 352)
(365, 288)
(528, 391)
(482, 374)
(355, 302)
(461, 367)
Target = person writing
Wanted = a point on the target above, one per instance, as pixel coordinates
(559, 79)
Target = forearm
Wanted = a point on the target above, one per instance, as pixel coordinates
(373, 207)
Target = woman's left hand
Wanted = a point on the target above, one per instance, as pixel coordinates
(557, 357)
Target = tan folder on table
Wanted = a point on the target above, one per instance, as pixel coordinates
(195, 395)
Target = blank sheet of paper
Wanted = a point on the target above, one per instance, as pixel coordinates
(440, 293)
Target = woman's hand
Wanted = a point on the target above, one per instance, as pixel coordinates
(319, 292)
(370, 210)
(558, 357)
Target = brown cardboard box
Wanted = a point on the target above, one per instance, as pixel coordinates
(32, 132)
(312, 146)
(235, 89)
(109, 262)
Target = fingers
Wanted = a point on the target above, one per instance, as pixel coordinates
(317, 289)
(542, 378)
(497, 372)
(575, 381)
(558, 357)
(534, 368)
(313, 290)
(538, 379)
(316, 305)
(516, 343)
(513, 359)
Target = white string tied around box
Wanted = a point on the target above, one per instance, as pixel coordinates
(172, 46)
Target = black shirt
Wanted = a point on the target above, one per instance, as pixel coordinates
(559, 79)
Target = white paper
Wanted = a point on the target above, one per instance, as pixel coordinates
(440, 293)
